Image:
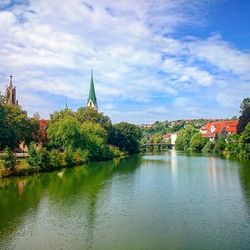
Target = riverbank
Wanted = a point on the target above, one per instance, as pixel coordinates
(23, 168)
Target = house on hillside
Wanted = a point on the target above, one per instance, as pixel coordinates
(170, 138)
(213, 129)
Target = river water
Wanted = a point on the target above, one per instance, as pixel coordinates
(164, 201)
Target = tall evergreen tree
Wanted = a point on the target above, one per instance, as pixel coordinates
(245, 115)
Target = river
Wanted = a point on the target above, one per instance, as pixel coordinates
(165, 201)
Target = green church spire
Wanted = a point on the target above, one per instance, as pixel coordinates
(92, 101)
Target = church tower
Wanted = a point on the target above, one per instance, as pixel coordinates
(10, 96)
(92, 101)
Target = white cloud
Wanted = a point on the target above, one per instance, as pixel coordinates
(50, 46)
(222, 55)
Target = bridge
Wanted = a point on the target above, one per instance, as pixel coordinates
(156, 146)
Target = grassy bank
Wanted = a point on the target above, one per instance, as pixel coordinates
(23, 166)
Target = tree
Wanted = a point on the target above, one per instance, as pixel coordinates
(87, 114)
(95, 139)
(126, 136)
(244, 104)
(198, 142)
(65, 132)
(220, 145)
(244, 143)
(243, 120)
(57, 115)
(184, 138)
(39, 158)
(9, 159)
(232, 148)
(16, 126)
(208, 148)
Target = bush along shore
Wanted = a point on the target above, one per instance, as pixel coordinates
(227, 145)
(70, 139)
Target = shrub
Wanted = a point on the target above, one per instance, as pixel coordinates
(68, 157)
(9, 160)
(220, 145)
(81, 156)
(56, 159)
(232, 148)
(116, 152)
(184, 138)
(198, 142)
(107, 154)
(39, 158)
(244, 143)
(208, 148)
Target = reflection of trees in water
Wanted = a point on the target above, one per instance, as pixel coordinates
(20, 196)
(244, 173)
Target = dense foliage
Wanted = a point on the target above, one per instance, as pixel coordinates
(126, 136)
(88, 130)
(73, 138)
(9, 160)
(184, 138)
(16, 126)
(198, 142)
(230, 145)
(77, 137)
(244, 143)
(244, 119)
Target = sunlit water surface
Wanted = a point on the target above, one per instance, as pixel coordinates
(165, 201)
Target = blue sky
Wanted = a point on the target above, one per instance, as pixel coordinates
(152, 59)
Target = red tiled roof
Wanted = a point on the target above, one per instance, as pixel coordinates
(167, 136)
(229, 126)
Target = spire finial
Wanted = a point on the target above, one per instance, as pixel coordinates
(11, 80)
(66, 104)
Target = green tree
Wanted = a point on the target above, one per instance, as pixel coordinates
(65, 132)
(39, 158)
(95, 139)
(9, 159)
(126, 136)
(87, 114)
(16, 126)
(244, 104)
(60, 114)
(220, 145)
(183, 140)
(244, 143)
(208, 148)
(198, 142)
(244, 119)
(232, 148)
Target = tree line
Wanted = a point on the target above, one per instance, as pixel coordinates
(72, 138)
(229, 145)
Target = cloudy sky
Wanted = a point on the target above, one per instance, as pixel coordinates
(152, 59)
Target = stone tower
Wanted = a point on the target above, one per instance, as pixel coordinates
(10, 96)
(92, 101)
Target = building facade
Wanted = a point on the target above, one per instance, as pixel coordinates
(10, 94)
(213, 129)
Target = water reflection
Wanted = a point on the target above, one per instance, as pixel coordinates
(130, 204)
(20, 198)
(212, 171)
(244, 173)
(174, 164)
